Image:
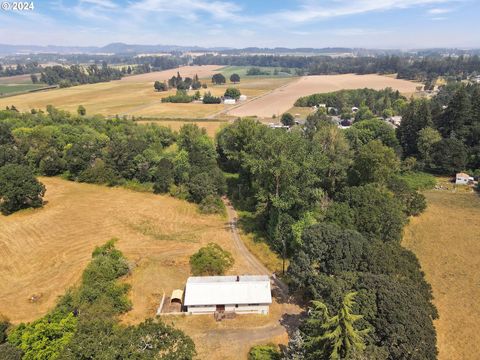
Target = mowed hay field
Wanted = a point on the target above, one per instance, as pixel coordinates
(446, 239)
(282, 99)
(44, 252)
(132, 95)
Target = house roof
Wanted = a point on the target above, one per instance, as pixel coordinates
(463, 175)
(225, 290)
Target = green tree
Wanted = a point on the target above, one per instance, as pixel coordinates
(218, 79)
(416, 117)
(374, 162)
(427, 137)
(44, 339)
(232, 93)
(449, 156)
(211, 260)
(164, 176)
(81, 110)
(235, 78)
(287, 119)
(19, 189)
(160, 86)
(334, 337)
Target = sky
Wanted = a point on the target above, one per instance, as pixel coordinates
(403, 24)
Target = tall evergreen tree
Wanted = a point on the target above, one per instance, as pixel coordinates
(334, 337)
(457, 116)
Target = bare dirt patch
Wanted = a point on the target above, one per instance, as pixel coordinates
(281, 99)
(447, 242)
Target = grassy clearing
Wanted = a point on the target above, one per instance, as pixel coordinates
(446, 240)
(419, 180)
(242, 71)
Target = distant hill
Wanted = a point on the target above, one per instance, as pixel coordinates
(120, 48)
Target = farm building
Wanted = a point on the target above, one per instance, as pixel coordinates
(229, 101)
(463, 179)
(242, 97)
(249, 294)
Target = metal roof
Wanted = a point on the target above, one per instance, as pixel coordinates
(228, 290)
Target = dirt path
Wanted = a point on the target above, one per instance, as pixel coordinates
(245, 253)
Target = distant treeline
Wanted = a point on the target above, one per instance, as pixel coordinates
(407, 67)
(19, 69)
(77, 75)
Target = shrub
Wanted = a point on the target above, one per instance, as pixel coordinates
(287, 119)
(264, 352)
(10, 352)
(98, 173)
(212, 205)
(208, 98)
(180, 97)
(211, 260)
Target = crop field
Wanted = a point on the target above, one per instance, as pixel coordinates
(446, 240)
(44, 252)
(282, 98)
(17, 79)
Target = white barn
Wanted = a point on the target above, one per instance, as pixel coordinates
(249, 294)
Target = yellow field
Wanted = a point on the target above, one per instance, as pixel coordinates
(44, 251)
(134, 95)
(446, 239)
(211, 127)
(281, 99)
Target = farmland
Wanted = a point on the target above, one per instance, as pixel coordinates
(445, 239)
(41, 258)
(134, 95)
(282, 99)
(11, 85)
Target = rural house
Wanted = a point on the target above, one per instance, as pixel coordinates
(246, 294)
(463, 179)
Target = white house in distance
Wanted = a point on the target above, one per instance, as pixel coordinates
(245, 294)
(229, 101)
(463, 179)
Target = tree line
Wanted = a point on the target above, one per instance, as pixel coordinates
(20, 69)
(78, 75)
(85, 322)
(421, 68)
(108, 151)
(335, 204)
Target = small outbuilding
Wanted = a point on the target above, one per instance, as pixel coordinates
(463, 179)
(242, 97)
(245, 294)
(229, 101)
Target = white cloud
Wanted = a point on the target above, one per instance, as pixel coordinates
(315, 10)
(190, 9)
(439, 11)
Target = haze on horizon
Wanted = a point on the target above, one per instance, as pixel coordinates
(403, 24)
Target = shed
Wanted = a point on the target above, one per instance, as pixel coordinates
(242, 97)
(240, 294)
(229, 101)
(177, 296)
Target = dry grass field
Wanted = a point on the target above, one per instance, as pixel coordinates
(446, 239)
(281, 99)
(128, 96)
(44, 251)
(134, 95)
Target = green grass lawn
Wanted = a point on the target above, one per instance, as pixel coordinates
(242, 71)
(18, 88)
